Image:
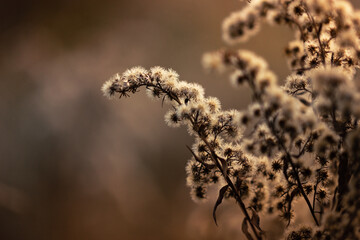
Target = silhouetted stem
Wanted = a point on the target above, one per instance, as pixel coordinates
(232, 186)
(318, 32)
(288, 156)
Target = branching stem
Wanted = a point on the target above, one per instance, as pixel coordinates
(215, 158)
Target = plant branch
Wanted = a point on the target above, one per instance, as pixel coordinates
(231, 185)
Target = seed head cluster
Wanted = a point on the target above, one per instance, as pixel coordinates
(298, 141)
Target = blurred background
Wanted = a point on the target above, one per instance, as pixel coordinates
(74, 165)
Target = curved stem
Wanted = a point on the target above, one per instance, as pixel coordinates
(297, 178)
(318, 32)
(288, 156)
(231, 185)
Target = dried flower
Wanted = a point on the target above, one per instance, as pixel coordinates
(296, 142)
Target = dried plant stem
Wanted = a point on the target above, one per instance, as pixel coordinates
(287, 154)
(297, 178)
(314, 197)
(215, 158)
(318, 32)
(218, 164)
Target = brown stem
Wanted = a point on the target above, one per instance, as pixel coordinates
(343, 170)
(343, 180)
(318, 32)
(314, 198)
(231, 185)
(297, 178)
(302, 151)
(288, 156)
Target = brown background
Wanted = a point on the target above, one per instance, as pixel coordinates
(74, 165)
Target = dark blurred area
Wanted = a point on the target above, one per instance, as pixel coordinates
(74, 165)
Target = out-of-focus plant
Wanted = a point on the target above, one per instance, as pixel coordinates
(299, 140)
